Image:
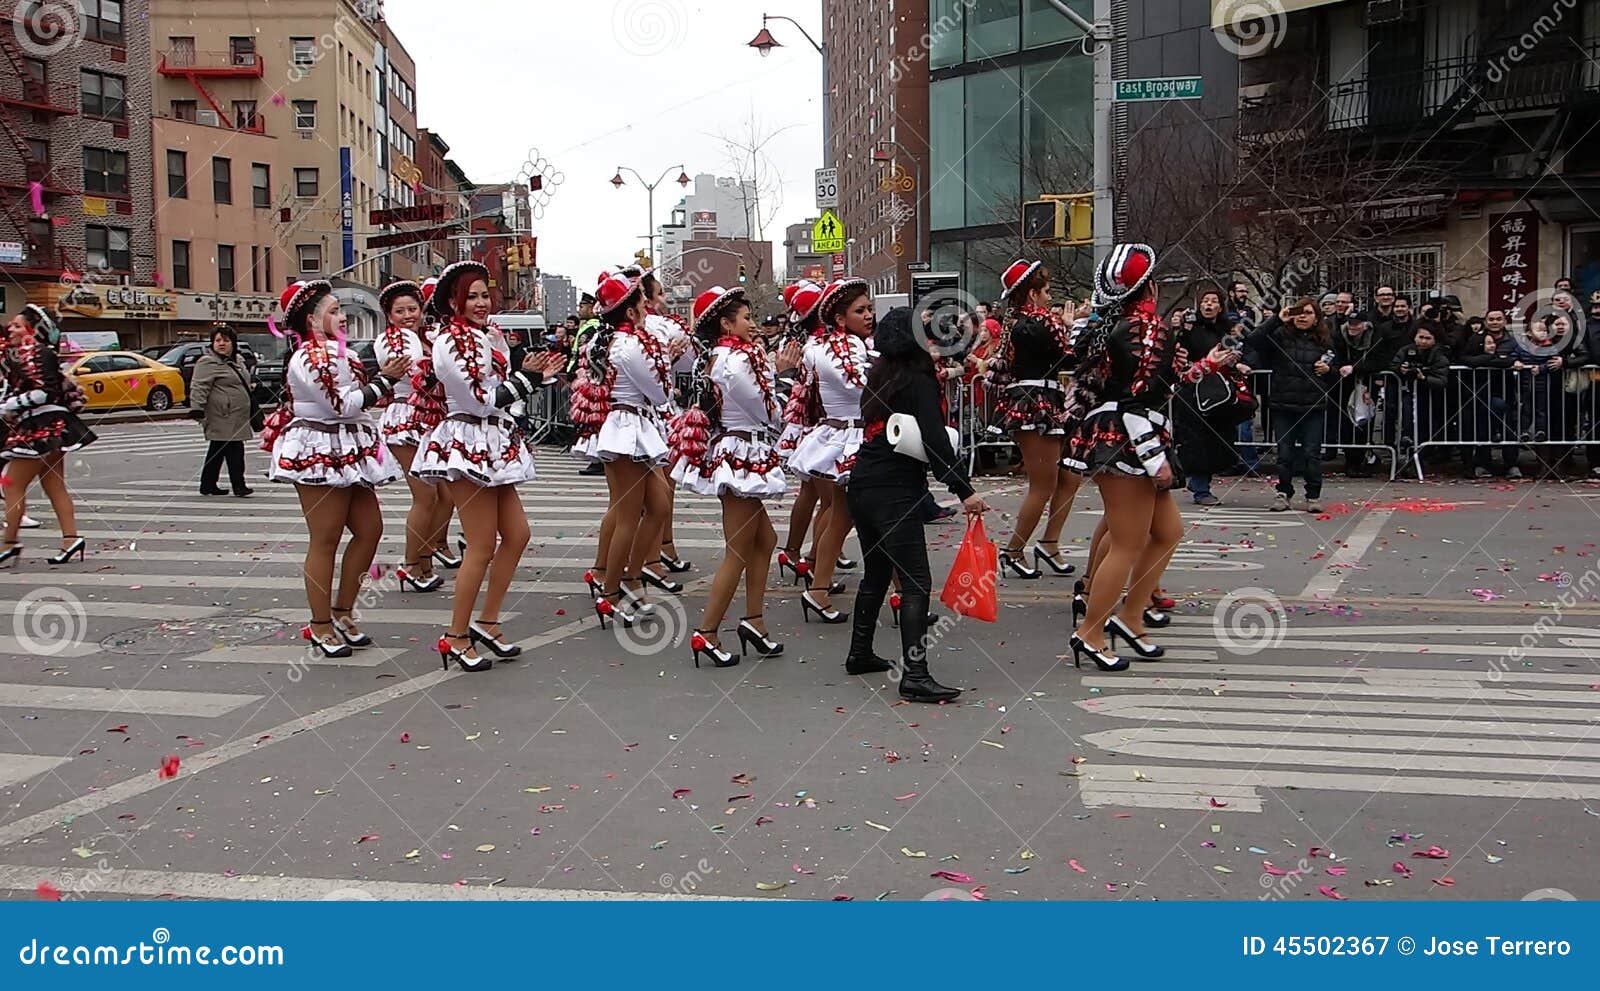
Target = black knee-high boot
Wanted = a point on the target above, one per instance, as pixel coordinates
(916, 683)
(863, 624)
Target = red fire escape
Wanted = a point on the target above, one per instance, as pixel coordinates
(37, 103)
(186, 63)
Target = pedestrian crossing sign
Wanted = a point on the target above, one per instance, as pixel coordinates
(828, 236)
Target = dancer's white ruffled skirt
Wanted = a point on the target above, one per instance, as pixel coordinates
(626, 434)
(334, 454)
(790, 439)
(402, 424)
(827, 452)
(735, 466)
(490, 451)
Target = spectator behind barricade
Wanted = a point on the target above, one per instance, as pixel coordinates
(1245, 316)
(1329, 305)
(1208, 412)
(1488, 353)
(1541, 402)
(1424, 369)
(1296, 345)
(1346, 306)
(1564, 284)
(1361, 353)
(1239, 308)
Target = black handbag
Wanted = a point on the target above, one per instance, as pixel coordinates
(258, 419)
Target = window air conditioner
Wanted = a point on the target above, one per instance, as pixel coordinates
(207, 117)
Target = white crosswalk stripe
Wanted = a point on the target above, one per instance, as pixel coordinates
(1336, 708)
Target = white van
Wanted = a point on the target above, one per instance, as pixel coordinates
(531, 325)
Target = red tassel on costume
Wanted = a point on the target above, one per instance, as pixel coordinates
(591, 404)
(691, 430)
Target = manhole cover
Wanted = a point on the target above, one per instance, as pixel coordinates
(195, 636)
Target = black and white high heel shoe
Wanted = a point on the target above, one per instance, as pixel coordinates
(827, 614)
(635, 601)
(411, 583)
(662, 582)
(616, 611)
(1146, 650)
(844, 564)
(459, 655)
(478, 630)
(78, 547)
(343, 627)
(676, 565)
(442, 558)
(834, 588)
(1157, 619)
(12, 553)
(1013, 567)
(791, 562)
(593, 581)
(753, 639)
(700, 643)
(1052, 561)
(1101, 659)
(326, 649)
(1080, 602)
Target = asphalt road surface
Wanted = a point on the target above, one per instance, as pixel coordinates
(1397, 699)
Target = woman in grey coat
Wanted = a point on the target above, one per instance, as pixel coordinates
(219, 396)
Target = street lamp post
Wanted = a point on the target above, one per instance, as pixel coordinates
(765, 43)
(650, 188)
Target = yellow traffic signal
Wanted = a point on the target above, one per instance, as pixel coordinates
(1060, 219)
(741, 272)
(513, 257)
(1080, 219)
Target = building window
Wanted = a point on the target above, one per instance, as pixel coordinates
(1058, 126)
(103, 95)
(305, 115)
(36, 70)
(180, 265)
(39, 152)
(303, 52)
(103, 20)
(255, 268)
(225, 281)
(994, 130)
(108, 249)
(310, 258)
(242, 51)
(244, 115)
(105, 172)
(187, 110)
(947, 189)
(222, 180)
(260, 186)
(177, 175)
(266, 258)
(306, 182)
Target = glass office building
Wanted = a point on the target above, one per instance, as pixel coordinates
(1009, 103)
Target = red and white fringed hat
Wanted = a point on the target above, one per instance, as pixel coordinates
(711, 305)
(445, 289)
(296, 297)
(802, 299)
(394, 290)
(428, 286)
(836, 292)
(616, 291)
(1123, 272)
(1016, 274)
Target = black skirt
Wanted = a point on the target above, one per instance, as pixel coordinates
(42, 434)
(1100, 443)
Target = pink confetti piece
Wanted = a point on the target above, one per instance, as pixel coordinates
(1485, 595)
(1338, 871)
(1218, 805)
(48, 891)
(1328, 892)
(1110, 886)
(681, 792)
(906, 797)
(954, 877)
(278, 100)
(36, 198)
(1277, 871)
(1445, 882)
(801, 870)
(1318, 851)
(1076, 866)
(1432, 853)
(1400, 868)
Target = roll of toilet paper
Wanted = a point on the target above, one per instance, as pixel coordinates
(905, 436)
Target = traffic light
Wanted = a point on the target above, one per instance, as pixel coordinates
(513, 257)
(527, 256)
(741, 272)
(1060, 220)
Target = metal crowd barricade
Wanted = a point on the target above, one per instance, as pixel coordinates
(1378, 429)
(974, 406)
(1509, 408)
(547, 415)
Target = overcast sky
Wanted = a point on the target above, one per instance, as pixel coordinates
(597, 83)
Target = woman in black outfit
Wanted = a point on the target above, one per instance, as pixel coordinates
(883, 493)
(1205, 436)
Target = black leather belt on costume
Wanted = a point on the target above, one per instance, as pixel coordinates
(751, 436)
(477, 421)
(840, 424)
(644, 411)
(322, 427)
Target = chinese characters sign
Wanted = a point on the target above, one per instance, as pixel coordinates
(1513, 258)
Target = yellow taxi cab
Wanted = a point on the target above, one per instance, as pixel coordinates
(116, 379)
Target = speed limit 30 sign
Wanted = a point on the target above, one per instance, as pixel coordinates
(827, 189)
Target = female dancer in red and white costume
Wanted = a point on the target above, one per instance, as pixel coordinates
(738, 463)
(330, 451)
(798, 417)
(478, 453)
(662, 560)
(402, 425)
(626, 377)
(836, 372)
(1128, 364)
(40, 427)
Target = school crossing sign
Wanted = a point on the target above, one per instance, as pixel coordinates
(828, 236)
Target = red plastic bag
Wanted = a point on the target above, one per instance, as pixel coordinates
(970, 587)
